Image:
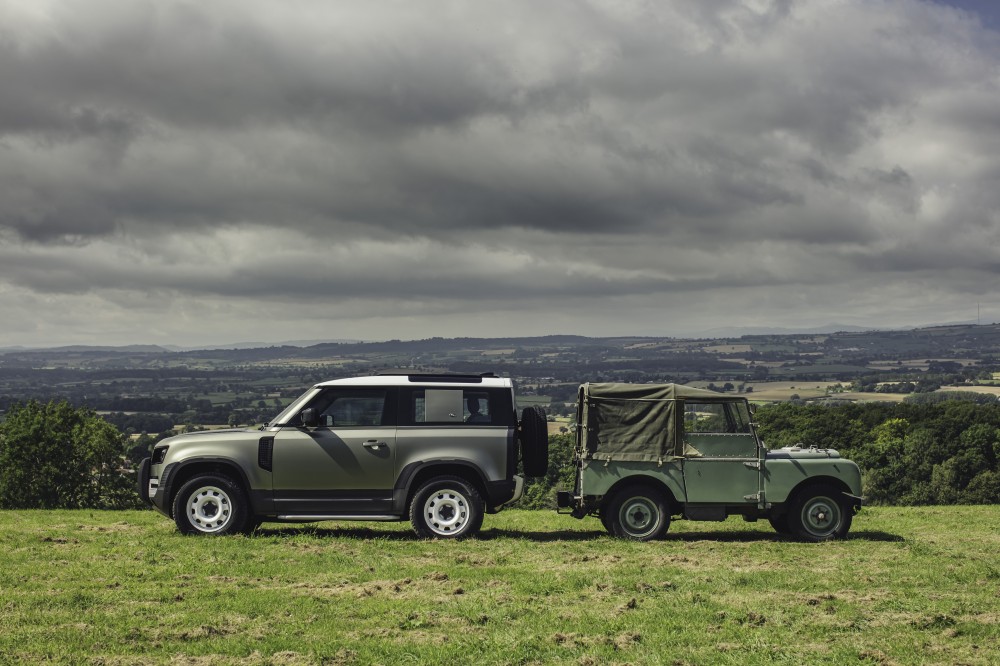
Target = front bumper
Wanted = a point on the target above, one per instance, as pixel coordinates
(144, 484)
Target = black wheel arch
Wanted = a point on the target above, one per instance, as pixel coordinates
(417, 473)
(177, 474)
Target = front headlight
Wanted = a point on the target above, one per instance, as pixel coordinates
(159, 453)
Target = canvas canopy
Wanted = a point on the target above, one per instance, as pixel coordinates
(633, 422)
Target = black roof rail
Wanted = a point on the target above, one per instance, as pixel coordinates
(442, 377)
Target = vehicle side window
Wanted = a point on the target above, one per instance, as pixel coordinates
(740, 413)
(341, 408)
(716, 417)
(461, 406)
(476, 407)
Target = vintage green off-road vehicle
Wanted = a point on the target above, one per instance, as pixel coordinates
(645, 453)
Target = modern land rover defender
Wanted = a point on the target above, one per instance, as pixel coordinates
(645, 453)
(440, 450)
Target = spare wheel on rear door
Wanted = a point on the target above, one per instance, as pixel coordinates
(533, 434)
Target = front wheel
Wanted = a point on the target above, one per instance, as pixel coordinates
(780, 524)
(447, 507)
(819, 514)
(211, 504)
(638, 513)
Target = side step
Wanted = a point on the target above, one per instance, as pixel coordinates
(311, 519)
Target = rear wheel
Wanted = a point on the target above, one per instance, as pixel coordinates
(638, 513)
(211, 504)
(606, 520)
(446, 507)
(819, 513)
(779, 523)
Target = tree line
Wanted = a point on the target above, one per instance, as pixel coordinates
(912, 453)
(940, 450)
(55, 455)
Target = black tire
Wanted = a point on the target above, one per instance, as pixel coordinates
(638, 513)
(533, 434)
(446, 507)
(819, 513)
(252, 526)
(211, 504)
(606, 519)
(780, 524)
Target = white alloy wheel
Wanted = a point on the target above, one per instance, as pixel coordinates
(209, 509)
(446, 512)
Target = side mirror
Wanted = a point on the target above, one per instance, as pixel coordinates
(309, 418)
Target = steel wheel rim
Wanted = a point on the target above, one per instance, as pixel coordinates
(209, 509)
(446, 512)
(638, 516)
(821, 516)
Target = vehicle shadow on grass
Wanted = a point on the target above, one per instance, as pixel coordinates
(748, 537)
(359, 533)
(490, 534)
(372, 533)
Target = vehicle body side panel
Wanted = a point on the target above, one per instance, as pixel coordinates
(334, 470)
(485, 448)
(597, 478)
(781, 476)
(721, 480)
(237, 448)
(721, 468)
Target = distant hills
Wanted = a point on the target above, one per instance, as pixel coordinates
(249, 350)
(70, 349)
(259, 345)
(739, 331)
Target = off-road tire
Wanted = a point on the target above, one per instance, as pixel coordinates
(819, 513)
(446, 507)
(605, 519)
(780, 523)
(211, 504)
(533, 435)
(639, 513)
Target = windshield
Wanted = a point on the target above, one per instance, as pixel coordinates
(294, 408)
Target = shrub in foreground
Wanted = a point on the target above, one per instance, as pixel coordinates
(56, 456)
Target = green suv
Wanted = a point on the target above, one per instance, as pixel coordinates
(439, 450)
(645, 453)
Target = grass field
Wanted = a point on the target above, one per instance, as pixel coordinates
(910, 586)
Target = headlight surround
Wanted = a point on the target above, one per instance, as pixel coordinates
(159, 453)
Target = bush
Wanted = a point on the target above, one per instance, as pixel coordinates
(540, 493)
(56, 456)
(919, 452)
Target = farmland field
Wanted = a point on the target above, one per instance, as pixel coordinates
(910, 586)
(779, 391)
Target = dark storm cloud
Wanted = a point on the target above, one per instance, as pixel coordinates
(311, 153)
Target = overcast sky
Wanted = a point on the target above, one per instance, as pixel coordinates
(209, 172)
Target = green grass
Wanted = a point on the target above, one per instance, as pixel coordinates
(910, 586)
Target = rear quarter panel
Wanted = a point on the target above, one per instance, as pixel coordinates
(596, 477)
(482, 446)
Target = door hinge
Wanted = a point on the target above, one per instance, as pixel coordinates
(752, 464)
(752, 498)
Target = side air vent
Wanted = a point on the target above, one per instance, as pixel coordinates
(265, 453)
